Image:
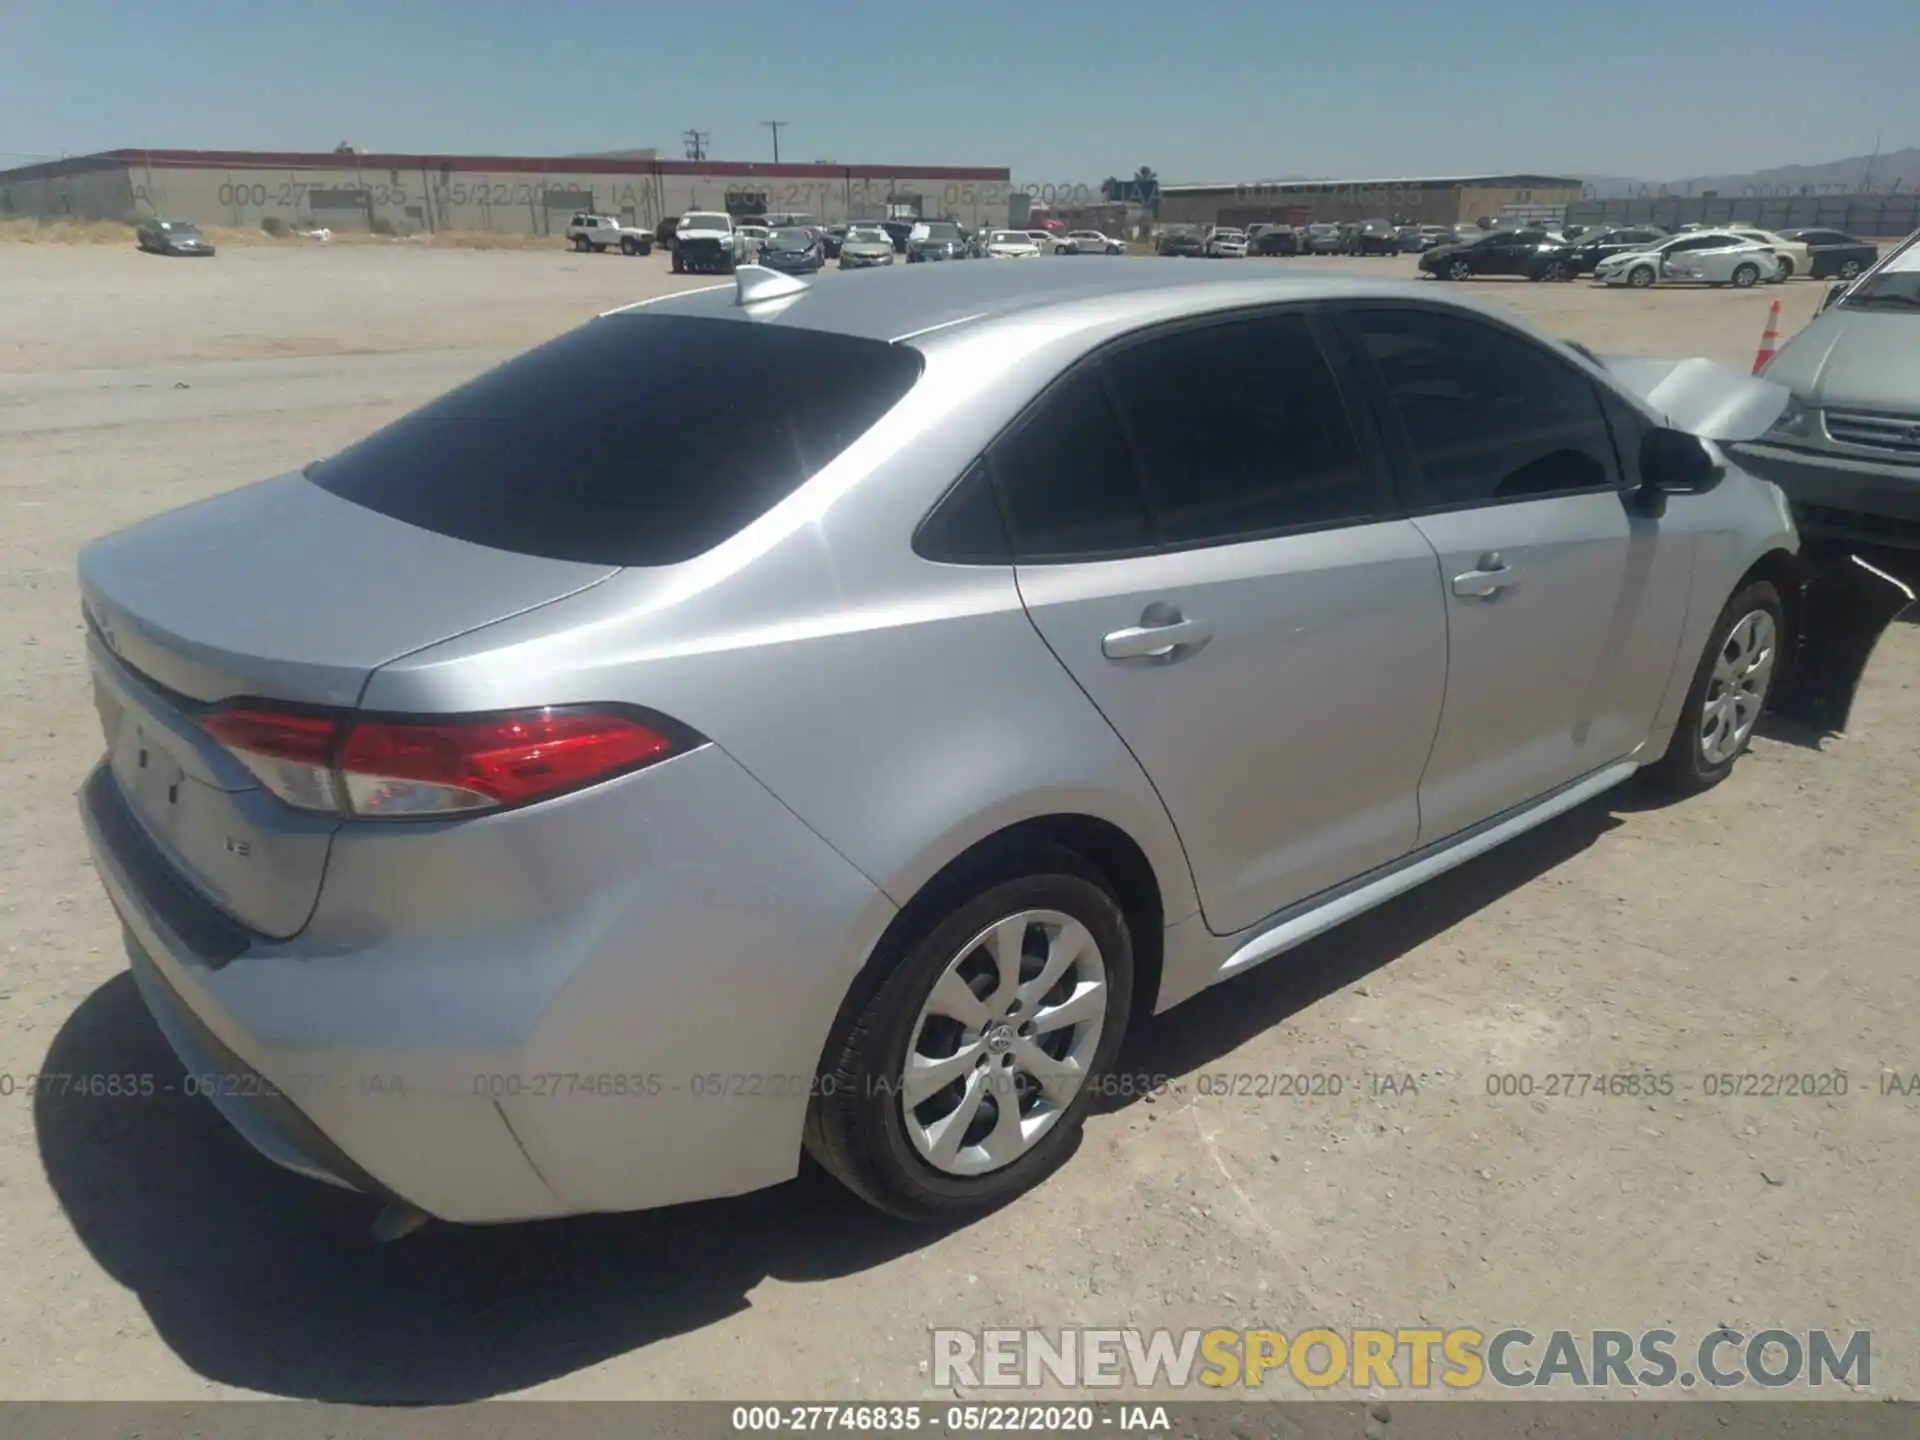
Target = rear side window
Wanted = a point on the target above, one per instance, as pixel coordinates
(633, 440)
(1491, 415)
(1241, 430)
(1068, 479)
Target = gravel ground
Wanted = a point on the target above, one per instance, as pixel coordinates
(1765, 927)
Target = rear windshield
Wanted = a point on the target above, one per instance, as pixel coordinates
(633, 440)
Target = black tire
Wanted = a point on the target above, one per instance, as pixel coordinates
(582, 244)
(1745, 275)
(1849, 269)
(1684, 769)
(679, 263)
(629, 246)
(855, 1128)
(1640, 277)
(1459, 270)
(1786, 269)
(1556, 271)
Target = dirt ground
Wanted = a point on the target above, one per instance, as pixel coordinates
(1766, 927)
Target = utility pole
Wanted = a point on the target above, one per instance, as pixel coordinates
(774, 125)
(696, 143)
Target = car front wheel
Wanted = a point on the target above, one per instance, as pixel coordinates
(1459, 270)
(1745, 276)
(963, 1077)
(1641, 277)
(1730, 689)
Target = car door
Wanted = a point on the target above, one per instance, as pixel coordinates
(1564, 602)
(1210, 546)
(1493, 256)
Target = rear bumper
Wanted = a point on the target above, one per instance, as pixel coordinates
(611, 1002)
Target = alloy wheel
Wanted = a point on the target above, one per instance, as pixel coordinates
(1003, 1042)
(1737, 689)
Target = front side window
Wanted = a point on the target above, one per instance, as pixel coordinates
(1242, 431)
(1490, 415)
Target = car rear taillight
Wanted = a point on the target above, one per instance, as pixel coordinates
(437, 765)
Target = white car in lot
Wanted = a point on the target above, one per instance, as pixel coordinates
(599, 233)
(1095, 242)
(1794, 256)
(1224, 243)
(1702, 257)
(1011, 245)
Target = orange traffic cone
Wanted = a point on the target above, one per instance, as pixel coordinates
(1769, 339)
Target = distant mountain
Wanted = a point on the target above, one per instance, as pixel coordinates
(1896, 170)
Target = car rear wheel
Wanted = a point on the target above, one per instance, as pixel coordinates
(1745, 275)
(629, 246)
(1730, 689)
(1641, 277)
(1786, 271)
(963, 1078)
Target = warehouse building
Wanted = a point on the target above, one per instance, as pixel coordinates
(409, 194)
(1456, 200)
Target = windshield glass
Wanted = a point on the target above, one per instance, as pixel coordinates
(703, 220)
(1895, 286)
(867, 235)
(1010, 237)
(791, 239)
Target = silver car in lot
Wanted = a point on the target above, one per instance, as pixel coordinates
(864, 246)
(1700, 257)
(825, 717)
(1847, 449)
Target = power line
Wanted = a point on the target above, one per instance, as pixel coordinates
(774, 125)
(696, 143)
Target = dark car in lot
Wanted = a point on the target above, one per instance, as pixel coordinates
(936, 240)
(1592, 247)
(1276, 240)
(172, 237)
(1836, 255)
(1530, 254)
(1373, 237)
(794, 249)
(1181, 244)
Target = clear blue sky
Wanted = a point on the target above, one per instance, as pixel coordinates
(1063, 93)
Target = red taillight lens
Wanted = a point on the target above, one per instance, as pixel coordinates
(442, 766)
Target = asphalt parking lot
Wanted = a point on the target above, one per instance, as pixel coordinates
(1765, 928)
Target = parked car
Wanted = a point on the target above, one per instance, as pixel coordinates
(1226, 243)
(1693, 257)
(1793, 256)
(1373, 237)
(1050, 242)
(752, 237)
(1593, 246)
(898, 231)
(832, 238)
(1011, 245)
(865, 246)
(172, 237)
(1181, 245)
(599, 233)
(792, 248)
(620, 787)
(935, 240)
(706, 241)
(1276, 240)
(664, 231)
(1325, 237)
(1833, 254)
(1096, 242)
(1532, 254)
(1847, 449)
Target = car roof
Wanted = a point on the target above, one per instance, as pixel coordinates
(914, 300)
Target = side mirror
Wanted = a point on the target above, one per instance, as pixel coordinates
(1834, 292)
(1672, 462)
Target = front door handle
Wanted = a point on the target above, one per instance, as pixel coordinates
(1163, 634)
(1486, 580)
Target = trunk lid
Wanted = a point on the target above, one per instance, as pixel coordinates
(280, 591)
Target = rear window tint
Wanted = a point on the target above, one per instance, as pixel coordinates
(633, 440)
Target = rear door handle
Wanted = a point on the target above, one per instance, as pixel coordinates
(1162, 634)
(1486, 580)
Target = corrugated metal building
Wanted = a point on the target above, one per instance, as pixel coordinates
(1451, 200)
(528, 194)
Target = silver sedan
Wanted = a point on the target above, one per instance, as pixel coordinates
(806, 716)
